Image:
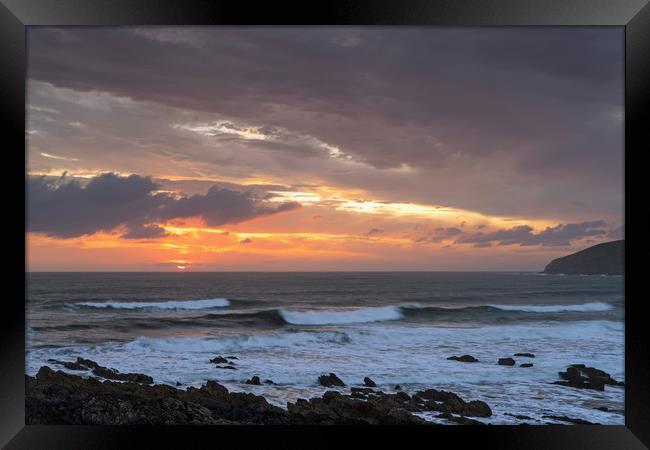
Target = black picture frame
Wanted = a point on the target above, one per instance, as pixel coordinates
(16, 15)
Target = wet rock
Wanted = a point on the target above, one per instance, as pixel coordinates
(368, 382)
(178, 383)
(335, 408)
(364, 391)
(330, 380)
(268, 381)
(232, 357)
(464, 358)
(518, 416)
(112, 374)
(582, 377)
(570, 420)
(434, 400)
(525, 355)
(398, 387)
(219, 360)
(90, 364)
(74, 366)
(226, 367)
(54, 397)
(68, 364)
(526, 365)
(255, 380)
(105, 372)
(459, 419)
(506, 362)
(402, 396)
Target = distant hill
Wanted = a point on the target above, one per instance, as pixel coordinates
(607, 258)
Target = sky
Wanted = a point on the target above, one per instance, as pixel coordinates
(321, 148)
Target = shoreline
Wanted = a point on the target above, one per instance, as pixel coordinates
(109, 397)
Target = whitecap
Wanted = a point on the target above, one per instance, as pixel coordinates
(172, 304)
(585, 307)
(341, 317)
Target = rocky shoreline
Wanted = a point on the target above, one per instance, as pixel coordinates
(57, 397)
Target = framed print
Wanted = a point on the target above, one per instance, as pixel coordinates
(245, 220)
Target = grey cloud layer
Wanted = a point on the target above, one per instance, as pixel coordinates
(562, 234)
(69, 209)
(509, 121)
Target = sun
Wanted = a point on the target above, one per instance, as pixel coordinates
(180, 267)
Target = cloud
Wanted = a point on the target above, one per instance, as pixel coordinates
(145, 232)
(374, 231)
(66, 208)
(438, 234)
(559, 235)
(617, 233)
(479, 114)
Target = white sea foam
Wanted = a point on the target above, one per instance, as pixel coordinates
(340, 317)
(415, 357)
(585, 307)
(173, 304)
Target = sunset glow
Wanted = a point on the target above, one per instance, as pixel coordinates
(423, 169)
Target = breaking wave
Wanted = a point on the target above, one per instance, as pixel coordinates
(172, 304)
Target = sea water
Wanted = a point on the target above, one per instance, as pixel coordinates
(394, 327)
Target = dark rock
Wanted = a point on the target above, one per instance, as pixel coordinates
(444, 401)
(74, 366)
(525, 355)
(464, 358)
(476, 408)
(267, 381)
(105, 372)
(517, 416)
(232, 357)
(60, 398)
(178, 383)
(335, 408)
(330, 380)
(88, 363)
(398, 387)
(254, 380)
(226, 367)
(600, 259)
(570, 420)
(112, 374)
(526, 365)
(364, 391)
(219, 360)
(368, 382)
(459, 420)
(68, 364)
(603, 408)
(582, 377)
(506, 362)
(402, 397)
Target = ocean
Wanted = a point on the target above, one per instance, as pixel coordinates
(394, 327)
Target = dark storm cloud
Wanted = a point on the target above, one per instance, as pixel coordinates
(439, 234)
(481, 113)
(145, 232)
(551, 236)
(68, 209)
(535, 94)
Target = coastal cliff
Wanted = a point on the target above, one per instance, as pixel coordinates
(601, 259)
